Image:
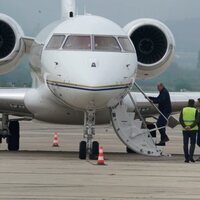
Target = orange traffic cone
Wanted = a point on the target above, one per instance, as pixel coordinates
(55, 140)
(100, 157)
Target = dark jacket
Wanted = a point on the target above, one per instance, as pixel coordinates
(163, 101)
(198, 111)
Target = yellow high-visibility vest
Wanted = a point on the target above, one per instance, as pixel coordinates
(189, 114)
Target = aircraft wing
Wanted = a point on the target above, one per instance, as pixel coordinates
(12, 102)
(178, 99)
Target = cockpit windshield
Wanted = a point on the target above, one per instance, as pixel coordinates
(106, 43)
(56, 42)
(77, 43)
(126, 44)
(90, 43)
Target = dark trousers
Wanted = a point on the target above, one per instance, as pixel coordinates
(189, 135)
(161, 122)
(198, 137)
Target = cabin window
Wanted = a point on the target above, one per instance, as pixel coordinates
(77, 43)
(106, 43)
(126, 44)
(56, 42)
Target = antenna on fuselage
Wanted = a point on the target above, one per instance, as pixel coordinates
(68, 9)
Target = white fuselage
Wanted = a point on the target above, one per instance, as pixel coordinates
(69, 57)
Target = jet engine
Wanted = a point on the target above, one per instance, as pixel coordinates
(154, 44)
(11, 43)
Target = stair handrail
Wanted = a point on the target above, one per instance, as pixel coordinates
(140, 115)
(137, 110)
(157, 109)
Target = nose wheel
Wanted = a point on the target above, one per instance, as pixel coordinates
(82, 150)
(88, 147)
(95, 151)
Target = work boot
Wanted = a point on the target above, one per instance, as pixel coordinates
(166, 139)
(161, 143)
(192, 160)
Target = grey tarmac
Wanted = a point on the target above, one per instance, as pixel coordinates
(40, 171)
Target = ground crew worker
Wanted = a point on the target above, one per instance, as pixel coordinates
(164, 105)
(198, 134)
(189, 121)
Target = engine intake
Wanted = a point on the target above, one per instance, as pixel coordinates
(7, 39)
(11, 43)
(150, 43)
(154, 44)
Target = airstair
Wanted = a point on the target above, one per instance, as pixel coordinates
(132, 129)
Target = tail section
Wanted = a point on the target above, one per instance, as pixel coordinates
(68, 9)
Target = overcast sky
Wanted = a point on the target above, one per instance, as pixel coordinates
(32, 15)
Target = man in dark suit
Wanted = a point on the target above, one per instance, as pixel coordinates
(164, 105)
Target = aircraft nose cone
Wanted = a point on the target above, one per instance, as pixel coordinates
(87, 97)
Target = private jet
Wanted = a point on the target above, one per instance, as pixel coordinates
(83, 69)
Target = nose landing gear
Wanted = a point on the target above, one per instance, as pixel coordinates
(89, 147)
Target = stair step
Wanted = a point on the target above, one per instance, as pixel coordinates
(131, 133)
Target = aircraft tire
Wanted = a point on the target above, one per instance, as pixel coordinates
(95, 151)
(13, 139)
(82, 150)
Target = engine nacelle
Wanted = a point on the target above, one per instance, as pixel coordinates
(154, 44)
(11, 43)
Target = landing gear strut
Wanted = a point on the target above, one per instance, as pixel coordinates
(89, 147)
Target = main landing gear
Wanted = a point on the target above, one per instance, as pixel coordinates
(88, 146)
(10, 131)
(13, 138)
